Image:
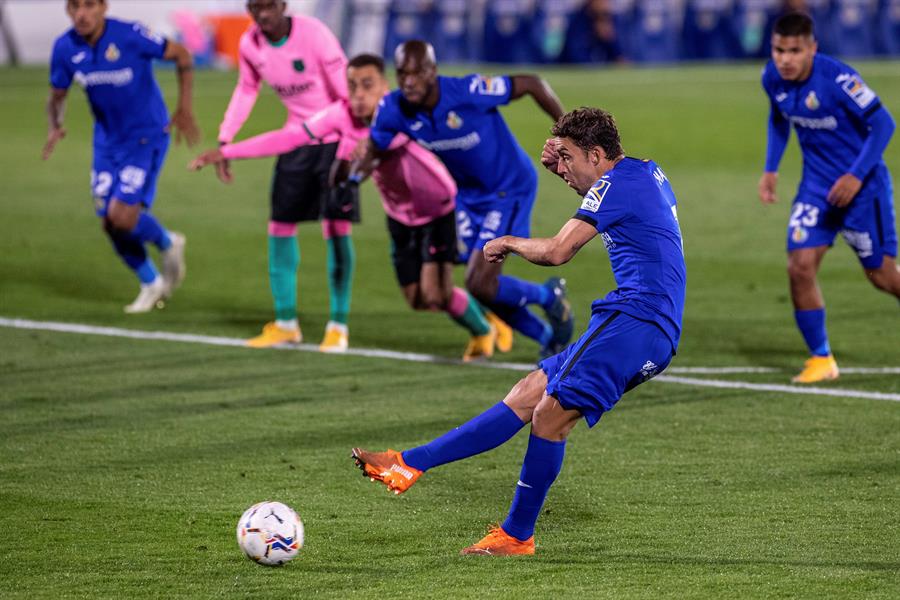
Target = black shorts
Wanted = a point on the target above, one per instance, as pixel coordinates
(300, 190)
(411, 247)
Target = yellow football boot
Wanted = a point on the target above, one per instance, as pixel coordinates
(337, 338)
(481, 346)
(499, 543)
(817, 368)
(273, 335)
(504, 332)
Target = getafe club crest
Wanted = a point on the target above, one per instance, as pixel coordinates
(799, 235)
(453, 120)
(812, 103)
(299, 66)
(112, 53)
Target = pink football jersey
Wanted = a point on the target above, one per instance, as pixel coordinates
(307, 71)
(415, 186)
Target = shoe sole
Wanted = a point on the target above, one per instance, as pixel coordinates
(271, 345)
(827, 378)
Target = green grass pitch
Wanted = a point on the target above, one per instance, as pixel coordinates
(124, 464)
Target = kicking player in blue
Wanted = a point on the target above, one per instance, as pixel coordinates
(632, 335)
(457, 119)
(843, 130)
(113, 61)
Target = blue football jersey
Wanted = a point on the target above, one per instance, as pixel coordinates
(633, 208)
(466, 131)
(829, 112)
(117, 75)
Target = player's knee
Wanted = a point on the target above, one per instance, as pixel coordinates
(121, 219)
(478, 287)
(433, 299)
(885, 279)
(801, 270)
(526, 394)
(550, 420)
(411, 295)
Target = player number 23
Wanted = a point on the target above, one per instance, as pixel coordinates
(805, 215)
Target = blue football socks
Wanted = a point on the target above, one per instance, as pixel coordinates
(149, 230)
(132, 252)
(812, 325)
(512, 291)
(543, 461)
(486, 431)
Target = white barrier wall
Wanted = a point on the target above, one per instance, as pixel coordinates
(34, 24)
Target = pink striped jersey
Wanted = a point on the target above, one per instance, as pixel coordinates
(414, 185)
(307, 71)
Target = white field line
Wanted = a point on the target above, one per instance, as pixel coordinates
(671, 375)
(774, 387)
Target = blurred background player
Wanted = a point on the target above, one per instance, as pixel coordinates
(304, 64)
(843, 130)
(632, 335)
(416, 191)
(457, 119)
(113, 61)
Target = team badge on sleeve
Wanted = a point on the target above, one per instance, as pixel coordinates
(595, 195)
(488, 86)
(856, 89)
(148, 33)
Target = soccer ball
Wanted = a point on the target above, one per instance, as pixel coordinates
(270, 533)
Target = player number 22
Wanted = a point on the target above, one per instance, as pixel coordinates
(805, 215)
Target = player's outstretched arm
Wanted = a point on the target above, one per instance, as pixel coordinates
(209, 157)
(538, 89)
(56, 107)
(548, 252)
(183, 121)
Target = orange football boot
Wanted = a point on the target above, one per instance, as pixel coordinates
(388, 468)
(504, 332)
(499, 543)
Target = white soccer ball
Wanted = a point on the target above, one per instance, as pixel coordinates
(270, 533)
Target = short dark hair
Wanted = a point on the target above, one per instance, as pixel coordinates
(794, 24)
(367, 60)
(590, 128)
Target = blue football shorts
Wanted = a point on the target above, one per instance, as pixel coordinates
(127, 173)
(479, 219)
(614, 355)
(866, 224)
